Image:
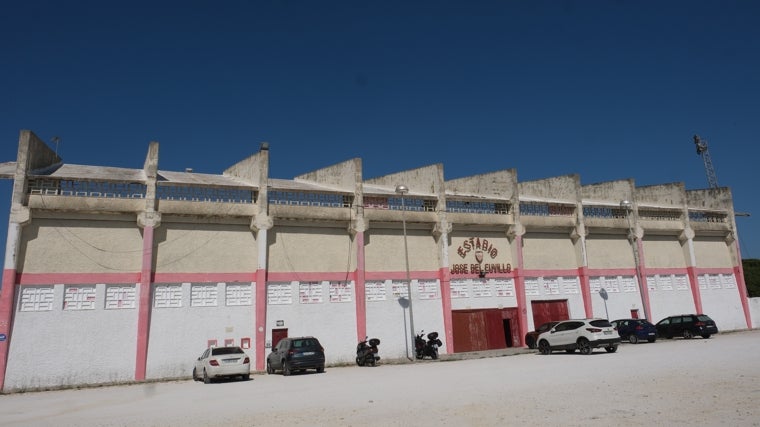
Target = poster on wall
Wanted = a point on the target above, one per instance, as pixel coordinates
(504, 288)
(481, 288)
(570, 285)
(551, 285)
(399, 289)
(374, 291)
(279, 294)
(310, 292)
(531, 287)
(428, 289)
(340, 292)
(459, 289)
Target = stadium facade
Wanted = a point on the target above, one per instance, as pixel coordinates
(116, 275)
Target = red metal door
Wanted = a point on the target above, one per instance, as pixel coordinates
(277, 335)
(547, 311)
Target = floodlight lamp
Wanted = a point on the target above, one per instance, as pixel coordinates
(402, 189)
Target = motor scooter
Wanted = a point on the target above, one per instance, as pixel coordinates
(427, 348)
(366, 352)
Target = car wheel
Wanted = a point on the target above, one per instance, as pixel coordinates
(531, 343)
(705, 336)
(611, 348)
(206, 378)
(270, 369)
(687, 334)
(570, 351)
(544, 347)
(286, 369)
(195, 375)
(321, 369)
(633, 339)
(584, 346)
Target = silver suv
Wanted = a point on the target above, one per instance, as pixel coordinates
(580, 334)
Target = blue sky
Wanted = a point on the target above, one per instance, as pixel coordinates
(605, 89)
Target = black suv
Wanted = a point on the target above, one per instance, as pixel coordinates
(296, 354)
(687, 326)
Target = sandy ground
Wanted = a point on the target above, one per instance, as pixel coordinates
(670, 383)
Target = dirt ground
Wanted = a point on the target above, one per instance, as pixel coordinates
(676, 382)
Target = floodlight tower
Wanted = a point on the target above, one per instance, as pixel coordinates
(712, 179)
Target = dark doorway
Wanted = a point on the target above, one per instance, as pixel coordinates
(507, 332)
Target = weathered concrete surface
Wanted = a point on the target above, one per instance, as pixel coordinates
(684, 383)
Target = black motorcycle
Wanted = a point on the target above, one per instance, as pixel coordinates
(366, 352)
(427, 348)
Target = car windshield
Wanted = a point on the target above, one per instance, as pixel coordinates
(221, 351)
(600, 323)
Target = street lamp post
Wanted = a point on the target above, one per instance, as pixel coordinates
(402, 190)
(625, 204)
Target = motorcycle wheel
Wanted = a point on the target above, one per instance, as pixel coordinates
(372, 362)
(434, 355)
(359, 361)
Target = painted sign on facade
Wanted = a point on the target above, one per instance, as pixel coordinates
(478, 256)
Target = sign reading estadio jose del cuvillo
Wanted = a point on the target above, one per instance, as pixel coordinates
(479, 248)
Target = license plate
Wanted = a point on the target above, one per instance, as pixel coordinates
(308, 353)
(231, 360)
(651, 333)
(607, 332)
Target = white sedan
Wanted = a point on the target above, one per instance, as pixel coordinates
(222, 362)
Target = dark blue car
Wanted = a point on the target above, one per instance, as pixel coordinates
(635, 330)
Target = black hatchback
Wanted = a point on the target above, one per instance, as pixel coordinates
(687, 326)
(296, 354)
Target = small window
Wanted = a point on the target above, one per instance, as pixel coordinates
(677, 320)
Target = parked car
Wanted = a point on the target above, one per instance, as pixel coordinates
(635, 330)
(687, 326)
(222, 362)
(296, 354)
(532, 337)
(582, 334)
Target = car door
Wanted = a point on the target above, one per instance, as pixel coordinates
(276, 356)
(565, 334)
(676, 326)
(199, 363)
